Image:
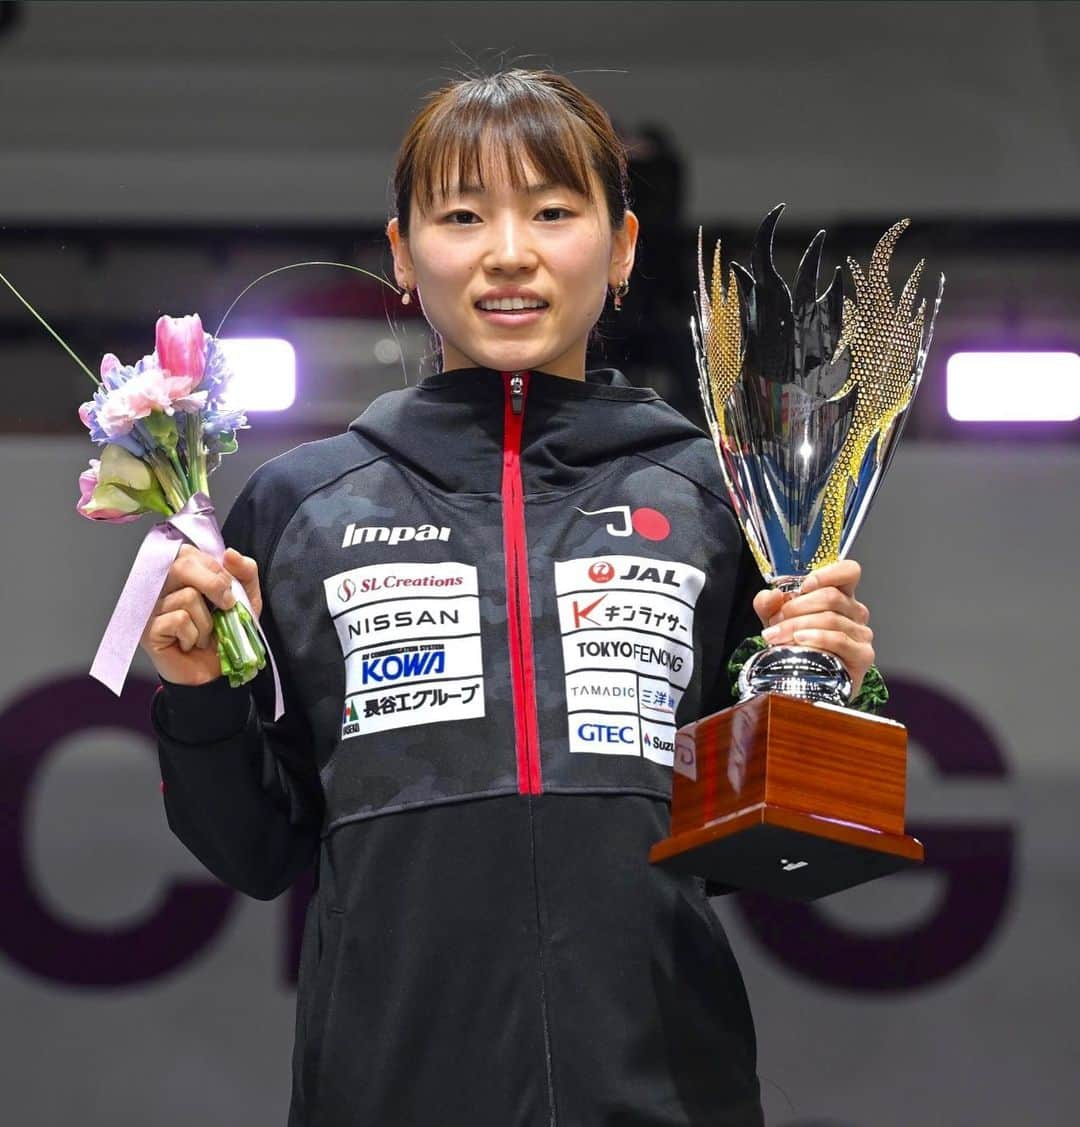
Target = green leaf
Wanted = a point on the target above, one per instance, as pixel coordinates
(162, 428)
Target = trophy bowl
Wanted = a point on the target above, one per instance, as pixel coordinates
(790, 792)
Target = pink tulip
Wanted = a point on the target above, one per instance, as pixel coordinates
(180, 344)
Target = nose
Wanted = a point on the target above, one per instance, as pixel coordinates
(510, 248)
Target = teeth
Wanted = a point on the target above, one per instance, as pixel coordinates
(508, 304)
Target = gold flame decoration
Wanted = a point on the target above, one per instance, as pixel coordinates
(884, 341)
(721, 327)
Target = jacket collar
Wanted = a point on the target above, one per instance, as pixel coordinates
(450, 427)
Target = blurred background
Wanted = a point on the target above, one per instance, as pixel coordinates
(157, 157)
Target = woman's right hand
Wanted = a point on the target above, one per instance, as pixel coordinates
(179, 638)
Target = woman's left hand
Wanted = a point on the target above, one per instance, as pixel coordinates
(824, 614)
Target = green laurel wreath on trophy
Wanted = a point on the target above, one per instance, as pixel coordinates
(872, 696)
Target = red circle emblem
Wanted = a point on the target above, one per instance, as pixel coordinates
(650, 524)
(601, 572)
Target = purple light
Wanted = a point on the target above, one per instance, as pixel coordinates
(264, 373)
(1013, 386)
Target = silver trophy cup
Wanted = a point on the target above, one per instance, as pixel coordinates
(806, 397)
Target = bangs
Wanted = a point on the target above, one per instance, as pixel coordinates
(496, 131)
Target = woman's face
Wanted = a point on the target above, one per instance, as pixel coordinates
(542, 246)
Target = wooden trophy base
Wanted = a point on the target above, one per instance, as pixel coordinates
(793, 799)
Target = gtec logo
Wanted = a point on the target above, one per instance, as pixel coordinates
(606, 733)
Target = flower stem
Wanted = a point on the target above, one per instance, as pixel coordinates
(293, 266)
(240, 648)
(175, 488)
(196, 454)
(49, 329)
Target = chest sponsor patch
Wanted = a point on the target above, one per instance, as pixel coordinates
(627, 626)
(410, 637)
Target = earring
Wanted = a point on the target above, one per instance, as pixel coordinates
(406, 297)
(619, 292)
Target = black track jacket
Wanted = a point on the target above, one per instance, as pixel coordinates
(492, 600)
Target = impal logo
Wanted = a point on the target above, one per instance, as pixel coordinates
(399, 534)
(650, 524)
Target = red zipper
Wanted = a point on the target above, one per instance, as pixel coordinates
(519, 614)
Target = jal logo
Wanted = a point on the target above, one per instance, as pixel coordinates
(649, 524)
(346, 591)
(601, 572)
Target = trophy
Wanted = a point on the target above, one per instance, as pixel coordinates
(789, 792)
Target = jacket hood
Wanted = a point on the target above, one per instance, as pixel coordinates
(449, 427)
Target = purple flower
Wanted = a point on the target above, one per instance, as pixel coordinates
(217, 374)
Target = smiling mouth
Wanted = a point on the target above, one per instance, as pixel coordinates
(511, 305)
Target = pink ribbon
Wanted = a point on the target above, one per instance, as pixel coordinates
(194, 523)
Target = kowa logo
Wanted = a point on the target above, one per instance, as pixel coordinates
(601, 571)
(399, 534)
(402, 665)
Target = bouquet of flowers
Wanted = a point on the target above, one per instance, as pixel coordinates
(164, 424)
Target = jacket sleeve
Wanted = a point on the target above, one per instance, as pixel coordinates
(242, 791)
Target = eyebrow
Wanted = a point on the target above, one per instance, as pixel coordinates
(531, 190)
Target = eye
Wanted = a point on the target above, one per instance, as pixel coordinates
(550, 214)
(461, 217)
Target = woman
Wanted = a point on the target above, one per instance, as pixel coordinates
(493, 599)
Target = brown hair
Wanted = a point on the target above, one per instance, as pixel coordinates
(521, 113)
